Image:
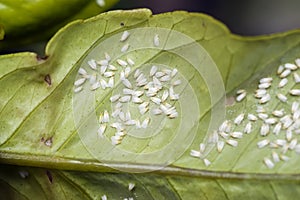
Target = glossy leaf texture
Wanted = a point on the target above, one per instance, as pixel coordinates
(37, 115)
(37, 183)
(28, 21)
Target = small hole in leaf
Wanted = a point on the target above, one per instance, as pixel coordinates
(122, 24)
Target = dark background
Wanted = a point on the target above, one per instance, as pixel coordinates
(244, 17)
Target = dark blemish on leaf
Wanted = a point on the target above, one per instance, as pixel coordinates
(49, 175)
(48, 142)
(203, 24)
(41, 58)
(42, 139)
(122, 24)
(230, 101)
(48, 80)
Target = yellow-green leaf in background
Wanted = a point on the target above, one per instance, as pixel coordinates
(27, 21)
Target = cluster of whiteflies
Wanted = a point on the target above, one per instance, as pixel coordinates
(276, 119)
(150, 90)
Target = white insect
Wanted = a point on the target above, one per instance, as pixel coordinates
(127, 71)
(266, 80)
(165, 78)
(174, 72)
(101, 130)
(224, 135)
(296, 77)
(103, 84)
(103, 69)
(156, 40)
(241, 96)
(165, 96)
(95, 86)
(131, 186)
(223, 126)
(270, 121)
(177, 82)
(263, 143)
(138, 93)
(82, 71)
(153, 70)
(112, 68)
(260, 109)
(236, 135)
(259, 93)
(103, 197)
(136, 99)
(206, 162)
(297, 61)
(130, 62)
(195, 153)
(124, 36)
(156, 100)
(295, 92)
(79, 82)
(268, 163)
(103, 62)
(105, 117)
(290, 66)
(157, 111)
(92, 63)
(233, 143)
(127, 83)
(220, 146)
(122, 63)
(275, 157)
(125, 48)
(107, 56)
(264, 130)
(202, 147)
(293, 144)
(248, 128)
(238, 120)
(128, 91)
(111, 83)
(277, 128)
(252, 117)
(137, 73)
(280, 69)
(281, 97)
(278, 113)
(115, 140)
(283, 82)
(265, 99)
(264, 85)
(263, 116)
(145, 123)
(108, 74)
(78, 89)
(295, 106)
(285, 73)
(125, 99)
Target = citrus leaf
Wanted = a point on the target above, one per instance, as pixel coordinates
(45, 123)
(37, 183)
(25, 21)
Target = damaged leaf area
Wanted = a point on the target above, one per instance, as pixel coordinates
(136, 92)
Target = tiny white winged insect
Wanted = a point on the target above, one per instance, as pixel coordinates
(174, 72)
(92, 63)
(236, 134)
(123, 63)
(82, 71)
(252, 117)
(283, 82)
(127, 83)
(263, 143)
(130, 62)
(131, 186)
(153, 70)
(290, 66)
(264, 130)
(295, 92)
(266, 80)
(264, 85)
(281, 97)
(268, 163)
(248, 128)
(265, 99)
(124, 36)
(101, 130)
(297, 61)
(231, 142)
(195, 153)
(277, 128)
(220, 145)
(78, 89)
(275, 157)
(124, 48)
(79, 82)
(295, 106)
(280, 69)
(238, 120)
(278, 113)
(206, 162)
(241, 96)
(145, 123)
(296, 77)
(156, 40)
(285, 73)
(103, 62)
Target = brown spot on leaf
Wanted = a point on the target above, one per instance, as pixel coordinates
(122, 24)
(41, 58)
(48, 80)
(49, 175)
(230, 101)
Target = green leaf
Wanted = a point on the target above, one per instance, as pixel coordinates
(27, 21)
(37, 183)
(44, 123)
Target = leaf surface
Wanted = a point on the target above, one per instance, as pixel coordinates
(41, 122)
